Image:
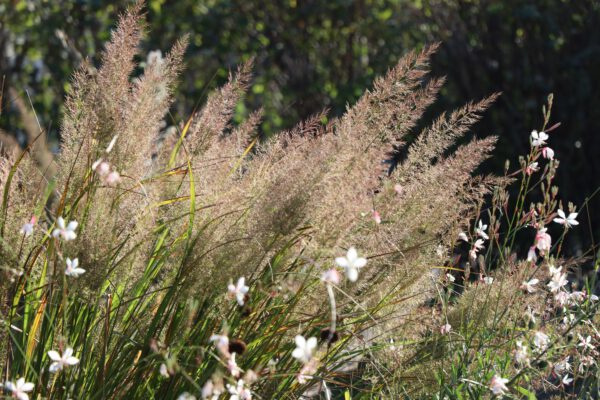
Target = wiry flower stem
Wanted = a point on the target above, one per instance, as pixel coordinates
(333, 312)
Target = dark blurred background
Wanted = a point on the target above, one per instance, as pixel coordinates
(312, 54)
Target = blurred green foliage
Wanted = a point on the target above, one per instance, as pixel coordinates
(312, 54)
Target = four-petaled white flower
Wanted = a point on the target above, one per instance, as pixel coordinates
(304, 348)
(239, 392)
(60, 362)
(498, 385)
(541, 340)
(481, 230)
(351, 263)
(586, 342)
(239, 290)
(568, 221)
(548, 153)
(73, 268)
(66, 231)
(488, 280)
(27, 228)
(463, 236)
(19, 388)
(558, 281)
(529, 285)
(538, 138)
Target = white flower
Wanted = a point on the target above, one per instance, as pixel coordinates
(478, 245)
(463, 236)
(568, 319)
(232, 366)
(577, 297)
(19, 389)
(376, 217)
(488, 280)
(562, 367)
(112, 178)
(553, 270)
(538, 138)
(221, 343)
(307, 371)
(66, 231)
(586, 342)
(208, 389)
(531, 256)
(548, 153)
(331, 276)
(541, 340)
(450, 277)
(529, 285)
(73, 268)
(566, 380)
(445, 329)
(481, 230)
(304, 348)
(543, 241)
(561, 298)
(186, 396)
(212, 391)
(351, 263)
(101, 167)
(27, 228)
(498, 385)
(558, 281)
(239, 392)
(163, 370)
(521, 356)
(239, 290)
(567, 221)
(531, 168)
(59, 362)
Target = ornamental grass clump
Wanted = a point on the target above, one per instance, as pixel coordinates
(200, 261)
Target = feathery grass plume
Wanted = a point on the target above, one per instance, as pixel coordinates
(435, 140)
(96, 102)
(112, 123)
(212, 120)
